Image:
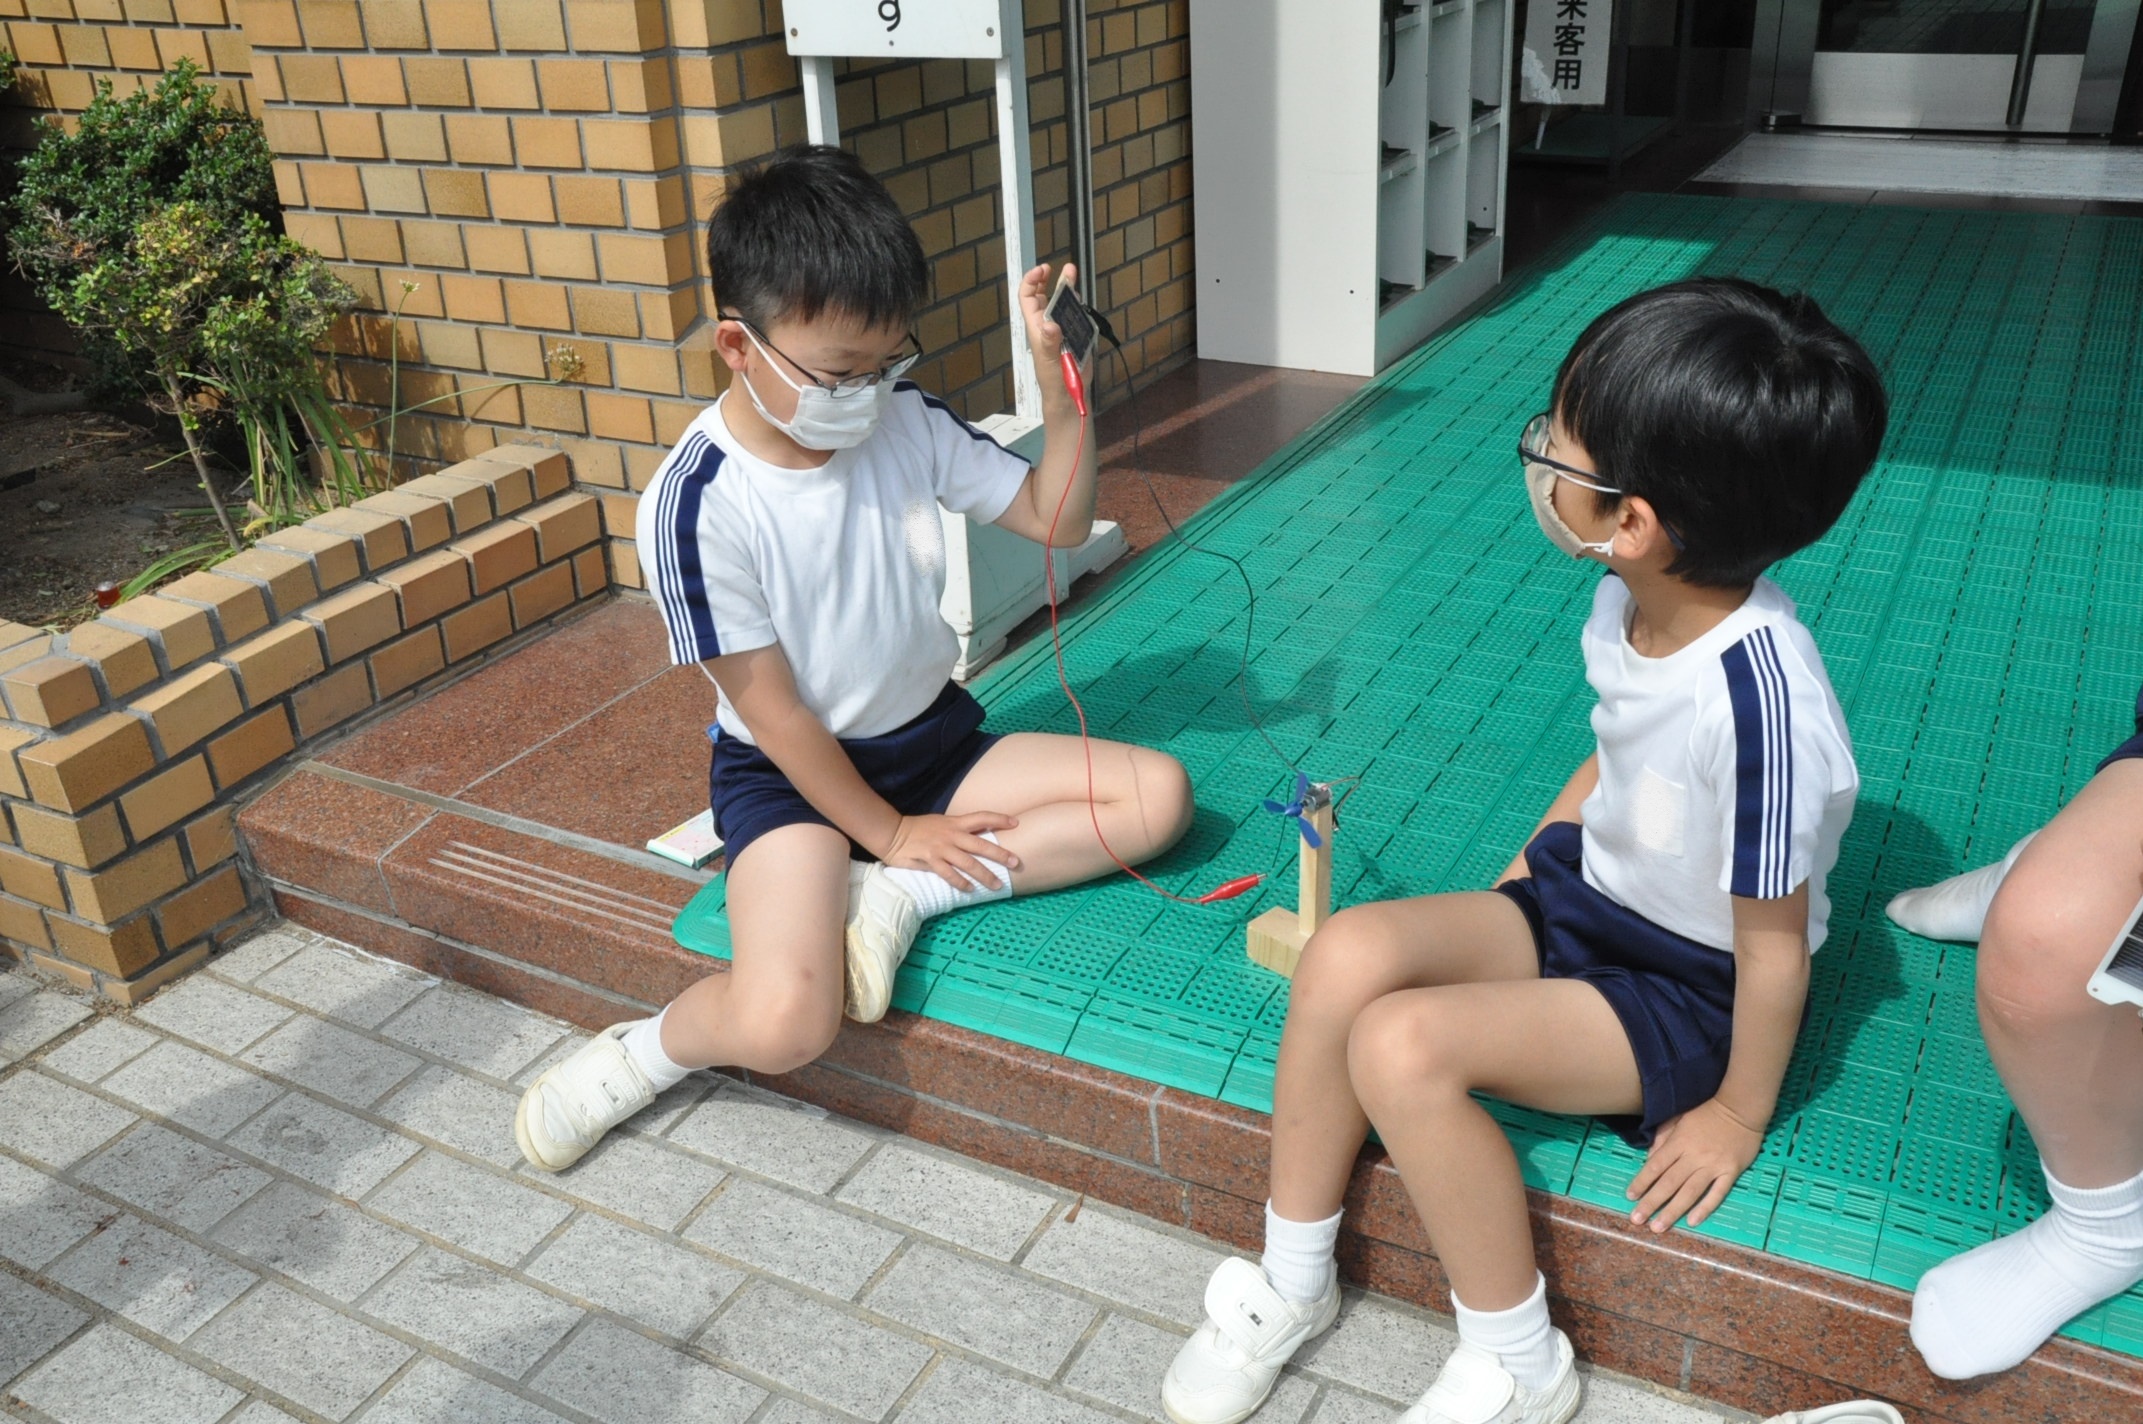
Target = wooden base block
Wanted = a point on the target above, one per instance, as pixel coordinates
(1277, 940)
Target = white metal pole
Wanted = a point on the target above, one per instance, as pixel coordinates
(1016, 164)
(822, 120)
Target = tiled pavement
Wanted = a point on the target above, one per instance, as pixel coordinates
(288, 1189)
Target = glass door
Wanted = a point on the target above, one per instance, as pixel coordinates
(2016, 66)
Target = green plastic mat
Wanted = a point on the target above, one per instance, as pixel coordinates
(1979, 614)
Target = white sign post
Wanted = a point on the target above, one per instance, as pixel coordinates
(993, 579)
(1566, 50)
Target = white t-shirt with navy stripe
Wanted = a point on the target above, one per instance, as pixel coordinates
(843, 565)
(1725, 768)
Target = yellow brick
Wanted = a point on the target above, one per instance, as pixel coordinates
(414, 138)
(554, 409)
(541, 594)
(249, 746)
(480, 138)
(512, 486)
(439, 83)
(293, 132)
(619, 417)
(646, 368)
(50, 691)
(429, 586)
(562, 254)
(538, 305)
(461, 24)
(404, 664)
(23, 923)
(334, 557)
(393, 190)
(351, 622)
(635, 145)
(503, 83)
(476, 627)
(109, 895)
(374, 79)
(194, 911)
(331, 24)
(30, 879)
(426, 521)
(547, 143)
(143, 987)
(182, 633)
(605, 313)
(14, 635)
(455, 194)
(497, 249)
(190, 707)
(352, 133)
(521, 197)
(235, 604)
(286, 579)
(85, 841)
(590, 201)
(590, 576)
(85, 47)
(640, 259)
(498, 555)
(549, 472)
(614, 25)
(376, 240)
(383, 540)
(311, 78)
(467, 502)
(531, 25)
(167, 798)
(74, 772)
(114, 949)
(332, 700)
(213, 838)
(574, 84)
(394, 24)
(270, 665)
(12, 740)
(625, 565)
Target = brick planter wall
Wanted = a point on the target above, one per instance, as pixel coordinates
(127, 742)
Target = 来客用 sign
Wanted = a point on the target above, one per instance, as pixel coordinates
(1565, 55)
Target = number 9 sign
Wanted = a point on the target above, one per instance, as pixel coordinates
(918, 29)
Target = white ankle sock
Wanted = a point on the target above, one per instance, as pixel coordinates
(1298, 1255)
(1956, 908)
(933, 896)
(644, 1042)
(1988, 1309)
(1521, 1337)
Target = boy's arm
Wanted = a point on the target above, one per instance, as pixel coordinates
(1064, 432)
(1696, 1157)
(762, 689)
(1563, 808)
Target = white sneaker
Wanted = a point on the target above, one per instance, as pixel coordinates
(1853, 1411)
(882, 922)
(567, 1110)
(1474, 1388)
(1223, 1373)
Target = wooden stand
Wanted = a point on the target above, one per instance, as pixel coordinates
(1277, 937)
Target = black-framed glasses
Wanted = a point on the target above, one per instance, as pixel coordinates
(893, 370)
(1534, 439)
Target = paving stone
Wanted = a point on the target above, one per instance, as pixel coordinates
(457, 1111)
(789, 1411)
(98, 1049)
(816, 1350)
(469, 1207)
(308, 1354)
(1123, 1363)
(671, 1104)
(1010, 1318)
(34, 1020)
(1341, 1406)
(959, 1393)
(632, 1176)
(14, 984)
(186, 1085)
(1380, 1349)
(1127, 1260)
(212, 1013)
(159, 1281)
(173, 1177)
(32, 1324)
(482, 1034)
(638, 1276)
(261, 1412)
(41, 1216)
(473, 1311)
(623, 1378)
(49, 1122)
(109, 1377)
(343, 984)
(988, 1214)
(314, 1239)
(323, 1145)
(260, 953)
(330, 1059)
(794, 1237)
(434, 1392)
(1615, 1401)
(773, 1137)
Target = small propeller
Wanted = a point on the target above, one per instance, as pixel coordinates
(1293, 810)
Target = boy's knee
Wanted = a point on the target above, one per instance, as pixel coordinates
(794, 1028)
(1395, 1043)
(1336, 965)
(2032, 966)
(1166, 789)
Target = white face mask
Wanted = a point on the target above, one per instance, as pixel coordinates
(1540, 487)
(824, 420)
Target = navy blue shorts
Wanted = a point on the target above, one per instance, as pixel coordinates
(1675, 997)
(916, 767)
(2133, 747)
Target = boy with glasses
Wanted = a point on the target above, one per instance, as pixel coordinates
(793, 545)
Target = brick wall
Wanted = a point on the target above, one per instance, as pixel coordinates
(519, 176)
(126, 743)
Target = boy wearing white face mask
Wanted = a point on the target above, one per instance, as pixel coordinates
(1646, 957)
(792, 543)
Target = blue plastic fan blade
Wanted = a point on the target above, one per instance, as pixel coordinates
(1310, 837)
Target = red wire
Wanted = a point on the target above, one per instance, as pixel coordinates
(1230, 889)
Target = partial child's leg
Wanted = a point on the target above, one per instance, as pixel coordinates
(776, 1009)
(2074, 1067)
(1141, 797)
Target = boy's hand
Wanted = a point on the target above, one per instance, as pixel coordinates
(1044, 337)
(952, 847)
(1694, 1162)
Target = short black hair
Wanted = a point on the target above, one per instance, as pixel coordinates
(1743, 415)
(810, 231)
